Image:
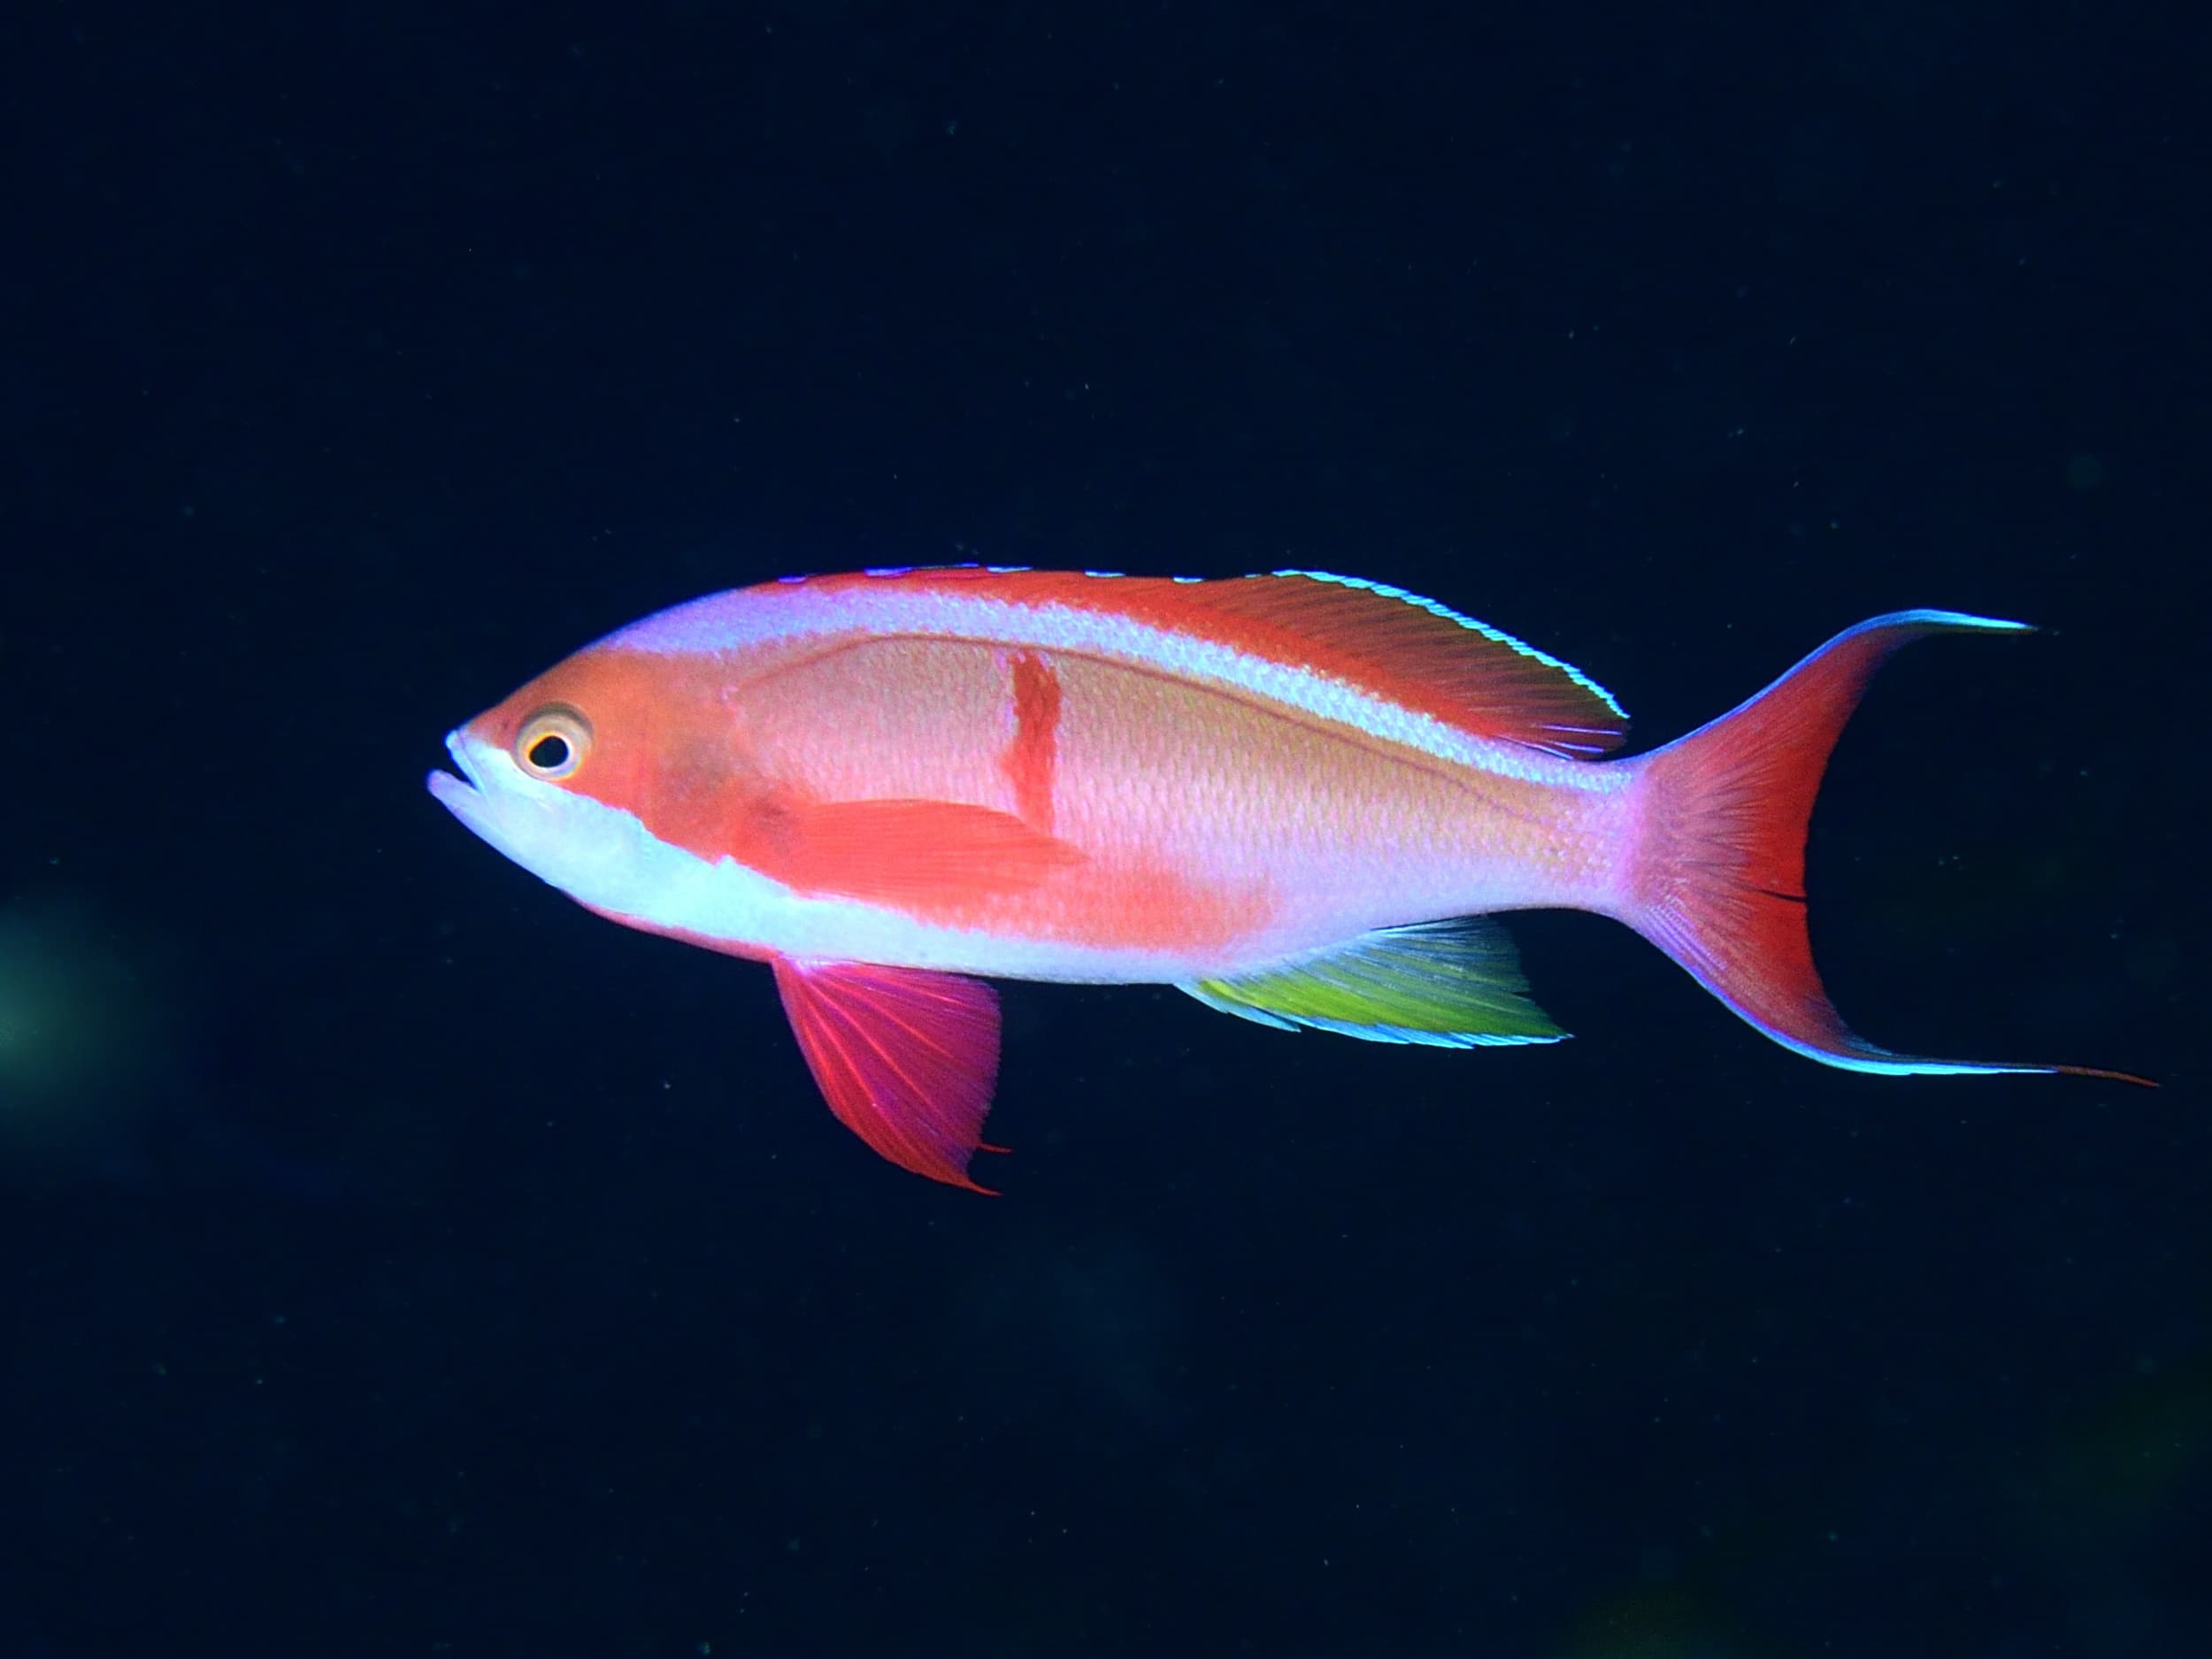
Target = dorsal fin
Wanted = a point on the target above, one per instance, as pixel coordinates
(1428, 656)
(1418, 653)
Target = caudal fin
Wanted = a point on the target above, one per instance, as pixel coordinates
(1719, 884)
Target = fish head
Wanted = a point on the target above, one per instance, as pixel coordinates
(576, 774)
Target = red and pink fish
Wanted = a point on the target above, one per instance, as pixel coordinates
(1296, 796)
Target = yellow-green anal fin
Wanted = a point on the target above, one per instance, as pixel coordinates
(1453, 983)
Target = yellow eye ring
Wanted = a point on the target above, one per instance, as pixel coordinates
(553, 743)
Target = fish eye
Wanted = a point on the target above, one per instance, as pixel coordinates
(553, 743)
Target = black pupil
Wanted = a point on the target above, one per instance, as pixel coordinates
(549, 753)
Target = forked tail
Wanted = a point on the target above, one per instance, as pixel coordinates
(1719, 884)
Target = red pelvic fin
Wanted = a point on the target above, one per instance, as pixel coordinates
(906, 1058)
(1720, 883)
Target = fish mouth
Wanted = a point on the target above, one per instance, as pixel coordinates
(457, 744)
(463, 794)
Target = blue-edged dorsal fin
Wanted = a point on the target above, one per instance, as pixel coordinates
(1453, 984)
(1378, 639)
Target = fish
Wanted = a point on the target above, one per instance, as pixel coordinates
(1301, 798)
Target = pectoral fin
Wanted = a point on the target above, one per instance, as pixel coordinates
(906, 1058)
(913, 853)
(1453, 985)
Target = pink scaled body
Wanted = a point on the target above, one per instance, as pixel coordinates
(1286, 795)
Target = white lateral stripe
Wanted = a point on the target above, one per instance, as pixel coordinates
(603, 856)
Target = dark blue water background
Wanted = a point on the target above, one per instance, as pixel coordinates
(398, 1261)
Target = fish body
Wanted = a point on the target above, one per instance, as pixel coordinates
(1293, 796)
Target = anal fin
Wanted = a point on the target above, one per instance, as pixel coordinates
(1452, 985)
